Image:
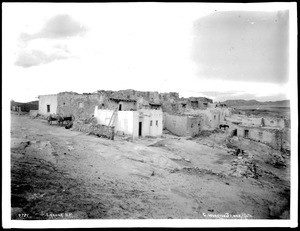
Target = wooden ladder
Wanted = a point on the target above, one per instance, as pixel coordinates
(113, 117)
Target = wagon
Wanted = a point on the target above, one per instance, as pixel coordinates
(60, 119)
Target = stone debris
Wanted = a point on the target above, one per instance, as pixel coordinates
(276, 160)
(201, 171)
(244, 166)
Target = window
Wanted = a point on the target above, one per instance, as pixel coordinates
(80, 105)
(48, 108)
(215, 117)
(120, 107)
(194, 104)
(150, 122)
(156, 122)
(260, 135)
(246, 134)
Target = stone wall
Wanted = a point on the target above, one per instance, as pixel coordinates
(25, 107)
(33, 113)
(82, 106)
(94, 129)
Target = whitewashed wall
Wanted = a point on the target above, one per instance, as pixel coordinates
(45, 100)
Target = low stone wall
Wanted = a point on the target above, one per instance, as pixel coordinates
(33, 113)
(94, 129)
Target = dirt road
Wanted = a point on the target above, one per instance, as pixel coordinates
(62, 174)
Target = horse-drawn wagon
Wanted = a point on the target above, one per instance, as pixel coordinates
(60, 119)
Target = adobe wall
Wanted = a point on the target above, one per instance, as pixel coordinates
(274, 122)
(176, 124)
(194, 126)
(211, 118)
(152, 122)
(270, 137)
(183, 125)
(45, 100)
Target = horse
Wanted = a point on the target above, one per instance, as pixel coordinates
(53, 118)
(62, 119)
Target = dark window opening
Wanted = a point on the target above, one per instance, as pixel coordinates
(215, 117)
(184, 105)
(150, 122)
(140, 128)
(246, 133)
(120, 107)
(234, 133)
(48, 108)
(156, 122)
(194, 103)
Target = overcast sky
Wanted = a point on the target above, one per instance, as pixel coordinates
(215, 50)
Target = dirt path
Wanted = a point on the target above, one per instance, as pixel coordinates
(63, 174)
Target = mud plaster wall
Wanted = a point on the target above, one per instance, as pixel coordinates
(152, 122)
(193, 126)
(127, 122)
(245, 120)
(211, 117)
(45, 100)
(271, 137)
(175, 124)
(182, 125)
(274, 122)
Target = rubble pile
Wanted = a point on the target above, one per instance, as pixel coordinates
(277, 160)
(91, 127)
(244, 166)
(201, 171)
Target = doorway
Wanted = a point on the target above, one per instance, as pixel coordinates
(140, 128)
(246, 134)
(234, 133)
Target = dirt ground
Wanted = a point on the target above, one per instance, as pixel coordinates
(58, 173)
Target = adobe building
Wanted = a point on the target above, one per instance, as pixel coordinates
(183, 125)
(270, 136)
(136, 123)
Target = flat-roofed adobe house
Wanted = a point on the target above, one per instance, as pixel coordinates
(136, 123)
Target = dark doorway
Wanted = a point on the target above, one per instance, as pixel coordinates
(48, 108)
(234, 132)
(120, 107)
(140, 128)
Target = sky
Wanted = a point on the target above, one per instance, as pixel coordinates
(220, 51)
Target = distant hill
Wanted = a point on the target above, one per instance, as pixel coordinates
(241, 102)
